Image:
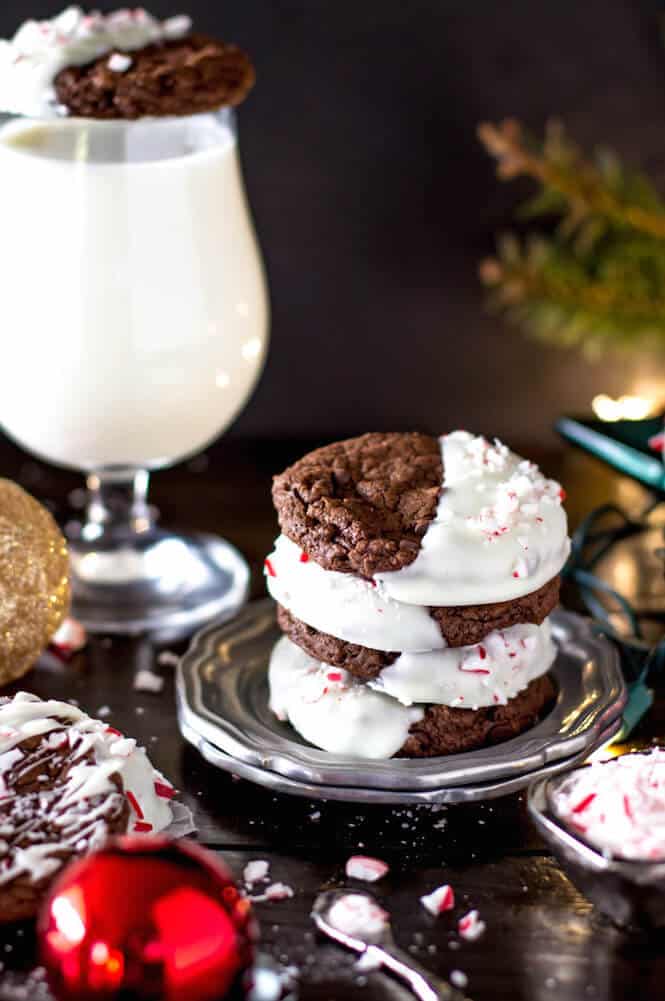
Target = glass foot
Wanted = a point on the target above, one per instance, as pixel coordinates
(156, 582)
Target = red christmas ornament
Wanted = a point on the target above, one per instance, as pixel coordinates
(147, 918)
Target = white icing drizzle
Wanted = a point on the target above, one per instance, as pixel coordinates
(618, 806)
(346, 606)
(499, 531)
(329, 710)
(59, 723)
(472, 677)
(32, 59)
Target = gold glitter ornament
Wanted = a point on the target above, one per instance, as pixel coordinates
(34, 581)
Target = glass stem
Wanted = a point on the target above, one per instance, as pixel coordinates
(117, 504)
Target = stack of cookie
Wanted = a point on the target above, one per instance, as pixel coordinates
(414, 578)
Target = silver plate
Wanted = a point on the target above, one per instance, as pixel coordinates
(222, 693)
(350, 794)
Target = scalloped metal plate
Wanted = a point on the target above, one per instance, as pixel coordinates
(350, 794)
(222, 693)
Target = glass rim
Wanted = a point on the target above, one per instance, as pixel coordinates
(226, 111)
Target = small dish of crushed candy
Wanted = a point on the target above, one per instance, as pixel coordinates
(605, 822)
(618, 806)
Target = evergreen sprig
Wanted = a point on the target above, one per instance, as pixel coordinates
(596, 277)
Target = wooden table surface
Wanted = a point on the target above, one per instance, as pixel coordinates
(543, 939)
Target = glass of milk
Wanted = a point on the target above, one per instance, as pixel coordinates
(136, 327)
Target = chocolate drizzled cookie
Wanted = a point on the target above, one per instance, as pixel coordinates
(41, 827)
(67, 782)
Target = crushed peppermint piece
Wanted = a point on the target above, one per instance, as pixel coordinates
(103, 712)
(177, 27)
(585, 803)
(164, 791)
(439, 900)
(148, 681)
(119, 63)
(470, 927)
(368, 869)
(459, 979)
(356, 914)
(134, 804)
(255, 871)
(278, 891)
(69, 639)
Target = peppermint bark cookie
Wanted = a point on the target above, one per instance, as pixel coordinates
(359, 612)
(333, 711)
(366, 664)
(124, 65)
(67, 782)
(414, 579)
(447, 522)
(195, 74)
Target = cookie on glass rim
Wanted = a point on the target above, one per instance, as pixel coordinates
(123, 65)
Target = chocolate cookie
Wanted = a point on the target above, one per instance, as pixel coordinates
(465, 625)
(450, 731)
(40, 830)
(362, 506)
(181, 77)
(462, 626)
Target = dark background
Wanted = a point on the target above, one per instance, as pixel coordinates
(374, 201)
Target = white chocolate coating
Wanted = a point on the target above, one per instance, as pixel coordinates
(329, 710)
(27, 716)
(332, 710)
(32, 59)
(499, 531)
(618, 806)
(346, 606)
(472, 677)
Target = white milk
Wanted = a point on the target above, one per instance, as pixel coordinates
(133, 298)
